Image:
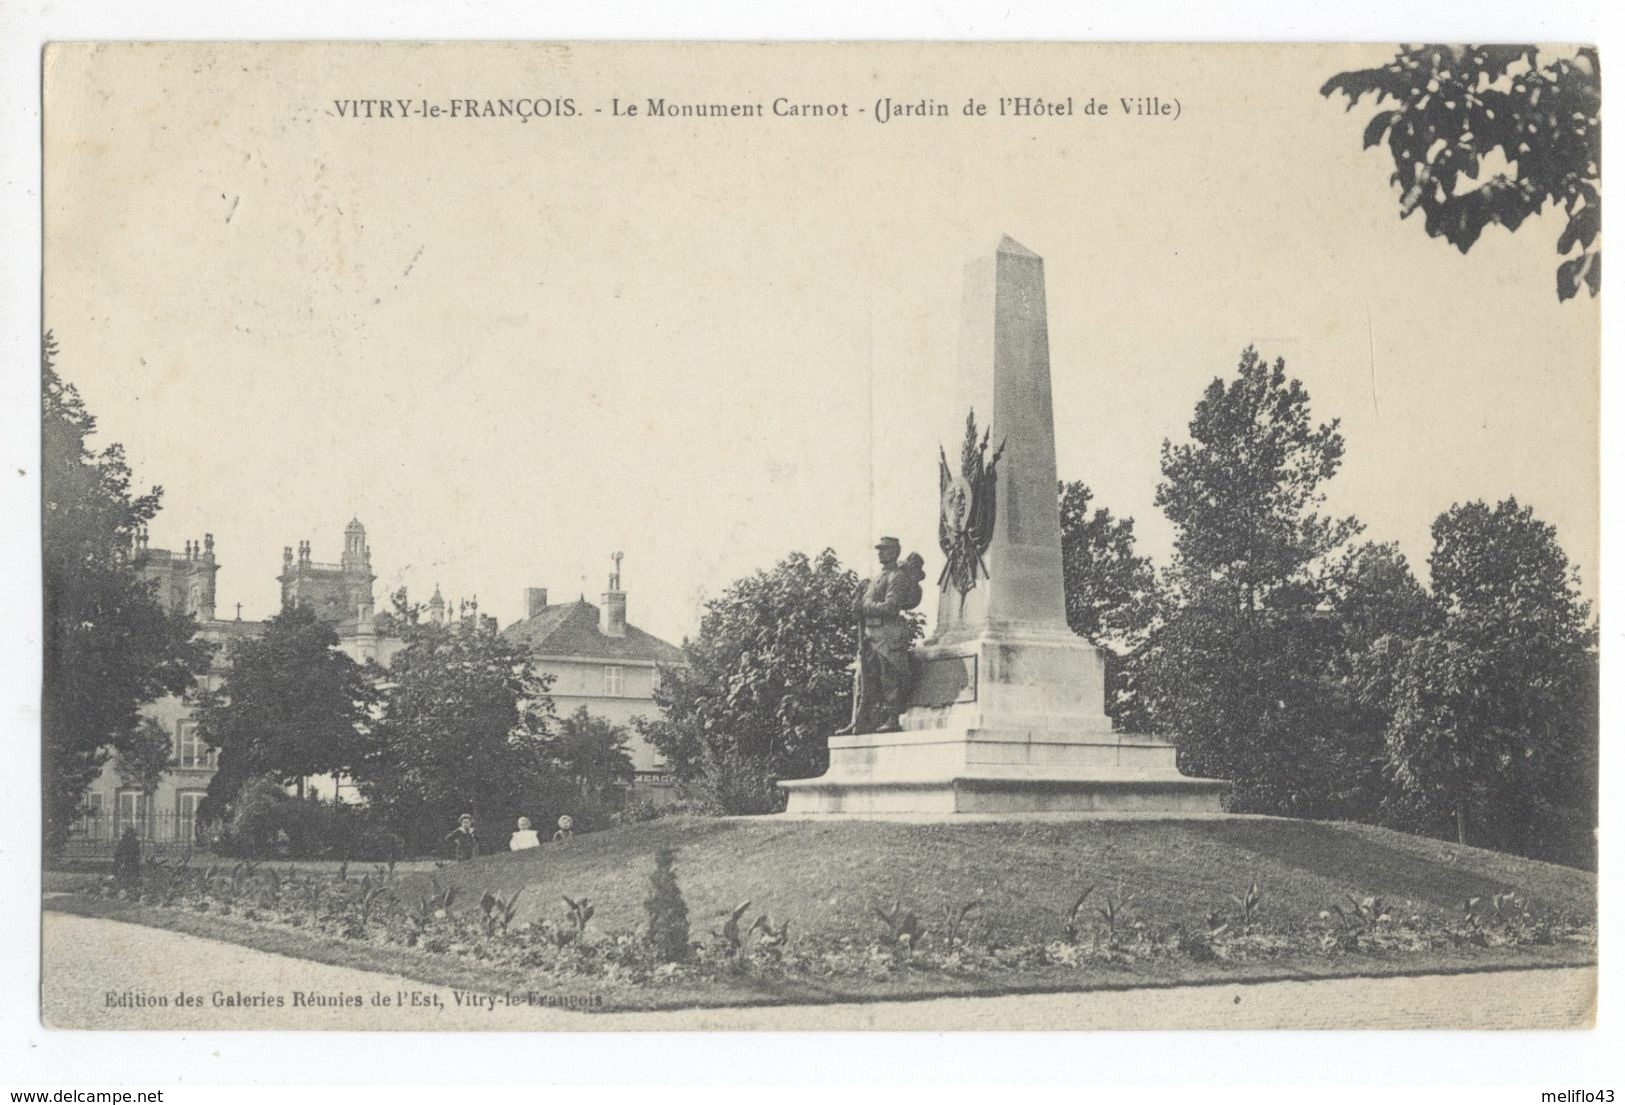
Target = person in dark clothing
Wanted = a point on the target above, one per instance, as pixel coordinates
(465, 842)
(127, 861)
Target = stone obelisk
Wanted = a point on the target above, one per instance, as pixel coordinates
(1007, 714)
(1004, 384)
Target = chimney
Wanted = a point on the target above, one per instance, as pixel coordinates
(535, 601)
(612, 614)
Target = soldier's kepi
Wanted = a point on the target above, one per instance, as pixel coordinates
(881, 674)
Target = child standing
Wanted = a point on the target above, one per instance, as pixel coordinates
(464, 840)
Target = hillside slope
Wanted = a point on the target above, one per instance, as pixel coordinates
(827, 877)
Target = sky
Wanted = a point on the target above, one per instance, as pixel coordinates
(515, 348)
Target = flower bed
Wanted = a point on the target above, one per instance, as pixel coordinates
(1104, 933)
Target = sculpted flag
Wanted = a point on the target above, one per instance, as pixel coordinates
(969, 505)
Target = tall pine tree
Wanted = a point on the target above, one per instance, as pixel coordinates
(1234, 673)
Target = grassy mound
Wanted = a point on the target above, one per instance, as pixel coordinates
(826, 878)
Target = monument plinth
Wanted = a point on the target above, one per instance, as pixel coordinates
(1007, 710)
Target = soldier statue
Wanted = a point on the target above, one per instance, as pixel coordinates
(881, 675)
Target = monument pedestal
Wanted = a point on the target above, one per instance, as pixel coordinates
(1007, 707)
(1004, 723)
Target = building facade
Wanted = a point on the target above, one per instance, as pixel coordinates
(599, 660)
(594, 656)
(184, 583)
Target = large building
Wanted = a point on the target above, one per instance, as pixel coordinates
(340, 594)
(599, 660)
(596, 660)
(184, 583)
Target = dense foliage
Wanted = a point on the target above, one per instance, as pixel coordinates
(1494, 709)
(588, 771)
(767, 680)
(1111, 593)
(1325, 680)
(267, 822)
(667, 912)
(1234, 672)
(145, 758)
(464, 728)
(109, 647)
(289, 705)
(1375, 605)
(1485, 135)
(1111, 590)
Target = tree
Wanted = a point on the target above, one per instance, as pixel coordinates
(589, 755)
(289, 705)
(145, 758)
(465, 728)
(668, 913)
(1461, 111)
(1234, 671)
(767, 680)
(1377, 607)
(1494, 710)
(110, 647)
(1111, 591)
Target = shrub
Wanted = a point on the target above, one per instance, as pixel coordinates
(639, 808)
(372, 840)
(254, 822)
(262, 820)
(668, 913)
(731, 782)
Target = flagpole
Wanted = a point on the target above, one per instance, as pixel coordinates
(869, 430)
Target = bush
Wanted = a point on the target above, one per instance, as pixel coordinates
(639, 808)
(590, 813)
(734, 783)
(263, 820)
(668, 913)
(372, 839)
(253, 821)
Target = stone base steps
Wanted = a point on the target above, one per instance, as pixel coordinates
(1006, 792)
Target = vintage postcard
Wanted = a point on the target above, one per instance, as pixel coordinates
(820, 536)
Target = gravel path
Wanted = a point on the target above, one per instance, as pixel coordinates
(98, 971)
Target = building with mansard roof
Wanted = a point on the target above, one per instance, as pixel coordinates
(599, 660)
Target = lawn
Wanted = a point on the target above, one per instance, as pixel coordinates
(827, 877)
(1173, 885)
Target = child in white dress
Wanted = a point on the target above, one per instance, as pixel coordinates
(524, 837)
